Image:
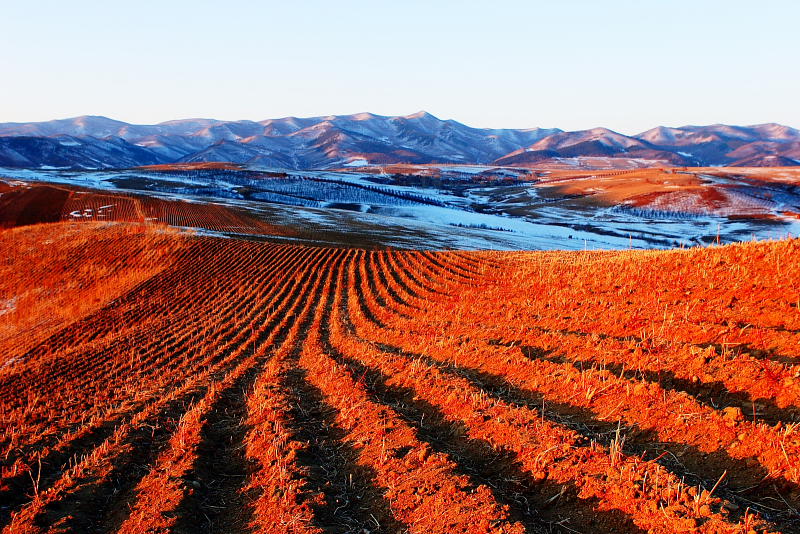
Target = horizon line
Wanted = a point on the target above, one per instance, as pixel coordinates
(378, 115)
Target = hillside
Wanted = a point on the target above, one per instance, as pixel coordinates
(366, 138)
(428, 207)
(193, 383)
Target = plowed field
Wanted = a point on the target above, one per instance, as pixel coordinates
(156, 381)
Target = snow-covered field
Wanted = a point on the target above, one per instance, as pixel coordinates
(462, 214)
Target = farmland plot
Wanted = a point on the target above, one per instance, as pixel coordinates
(243, 386)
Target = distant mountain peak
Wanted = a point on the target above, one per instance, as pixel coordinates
(333, 140)
(196, 120)
(364, 116)
(87, 118)
(420, 115)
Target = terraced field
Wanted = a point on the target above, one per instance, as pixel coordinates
(196, 384)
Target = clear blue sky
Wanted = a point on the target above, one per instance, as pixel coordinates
(573, 64)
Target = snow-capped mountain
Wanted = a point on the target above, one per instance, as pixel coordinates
(336, 140)
(71, 151)
(595, 142)
(295, 142)
(720, 144)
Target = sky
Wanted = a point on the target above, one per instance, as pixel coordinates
(571, 64)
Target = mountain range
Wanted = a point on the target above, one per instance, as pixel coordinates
(365, 138)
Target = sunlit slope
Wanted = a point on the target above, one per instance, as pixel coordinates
(22, 204)
(51, 276)
(257, 387)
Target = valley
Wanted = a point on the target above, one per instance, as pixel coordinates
(467, 207)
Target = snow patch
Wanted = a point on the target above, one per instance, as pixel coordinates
(358, 162)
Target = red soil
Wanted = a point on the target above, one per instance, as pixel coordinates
(677, 190)
(242, 386)
(24, 204)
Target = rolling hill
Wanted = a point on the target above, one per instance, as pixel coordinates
(154, 380)
(350, 140)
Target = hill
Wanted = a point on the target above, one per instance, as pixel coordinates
(340, 140)
(193, 383)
